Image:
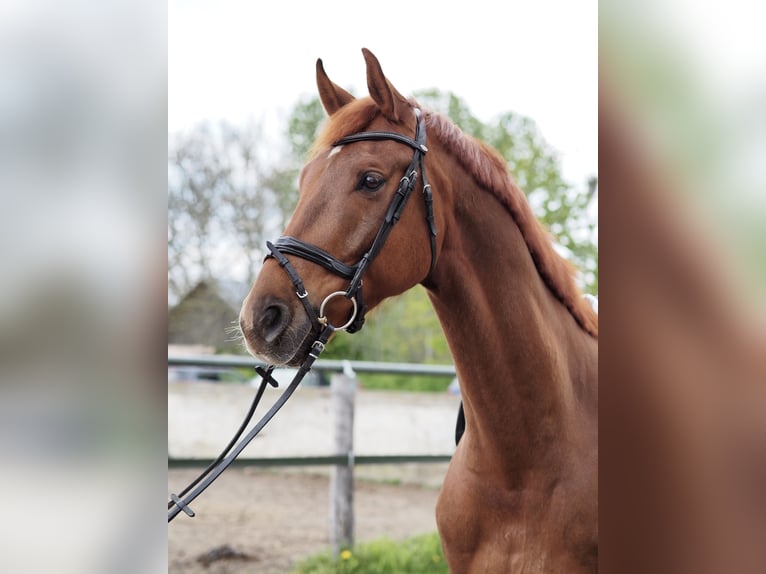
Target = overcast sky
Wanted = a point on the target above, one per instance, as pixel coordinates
(238, 60)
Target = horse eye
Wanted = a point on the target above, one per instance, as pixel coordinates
(371, 182)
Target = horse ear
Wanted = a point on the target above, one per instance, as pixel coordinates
(333, 96)
(393, 105)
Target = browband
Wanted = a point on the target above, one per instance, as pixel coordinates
(367, 136)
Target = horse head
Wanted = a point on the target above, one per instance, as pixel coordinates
(341, 239)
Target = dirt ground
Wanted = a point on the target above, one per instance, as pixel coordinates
(265, 521)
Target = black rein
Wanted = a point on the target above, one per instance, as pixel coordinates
(320, 324)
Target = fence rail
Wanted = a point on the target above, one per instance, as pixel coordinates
(316, 460)
(326, 365)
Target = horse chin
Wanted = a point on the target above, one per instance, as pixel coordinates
(288, 350)
(303, 352)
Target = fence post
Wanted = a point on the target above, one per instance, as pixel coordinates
(343, 389)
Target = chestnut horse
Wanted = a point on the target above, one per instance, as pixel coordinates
(520, 494)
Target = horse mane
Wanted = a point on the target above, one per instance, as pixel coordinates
(490, 171)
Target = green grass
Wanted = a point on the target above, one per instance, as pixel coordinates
(421, 383)
(418, 555)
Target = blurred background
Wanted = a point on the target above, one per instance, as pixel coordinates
(83, 113)
(682, 402)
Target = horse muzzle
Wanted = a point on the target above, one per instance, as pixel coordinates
(275, 330)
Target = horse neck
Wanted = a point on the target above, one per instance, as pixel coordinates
(526, 369)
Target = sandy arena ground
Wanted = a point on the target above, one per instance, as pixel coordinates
(265, 521)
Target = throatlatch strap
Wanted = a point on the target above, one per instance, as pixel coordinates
(428, 198)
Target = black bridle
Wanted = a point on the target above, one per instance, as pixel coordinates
(320, 323)
(292, 246)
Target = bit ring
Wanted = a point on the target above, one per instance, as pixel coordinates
(323, 320)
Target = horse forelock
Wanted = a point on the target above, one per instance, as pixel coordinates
(350, 119)
(490, 171)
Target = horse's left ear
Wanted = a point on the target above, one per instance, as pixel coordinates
(333, 97)
(393, 105)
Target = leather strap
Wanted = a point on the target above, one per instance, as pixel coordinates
(181, 503)
(369, 136)
(300, 289)
(293, 246)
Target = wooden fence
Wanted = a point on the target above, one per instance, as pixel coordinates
(343, 388)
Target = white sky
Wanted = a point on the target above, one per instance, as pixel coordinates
(238, 60)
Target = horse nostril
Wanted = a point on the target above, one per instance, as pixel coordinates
(274, 320)
(271, 316)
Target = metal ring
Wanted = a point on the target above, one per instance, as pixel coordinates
(323, 319)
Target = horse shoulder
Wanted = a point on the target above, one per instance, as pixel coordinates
(488, 527)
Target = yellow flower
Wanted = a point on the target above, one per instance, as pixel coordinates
(345, 555)
(436, 558)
